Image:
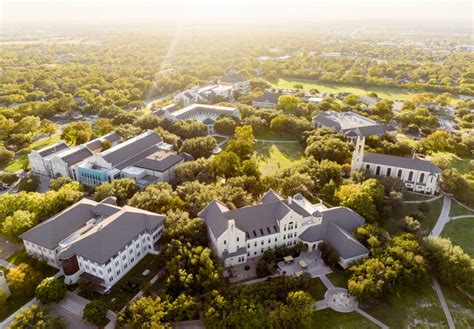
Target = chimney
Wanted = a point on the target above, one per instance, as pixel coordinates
(289, 200)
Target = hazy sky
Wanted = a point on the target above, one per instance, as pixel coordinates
(103, 11)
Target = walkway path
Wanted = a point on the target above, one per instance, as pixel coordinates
(327, 283)
(6, 264)
(443, 217)
(444, 305)
(461, 217)
(371, 318)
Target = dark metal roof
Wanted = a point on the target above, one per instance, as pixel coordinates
(401, 162)
(59, 146)
(160, 165)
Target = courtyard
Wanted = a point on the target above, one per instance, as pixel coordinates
(315, 266)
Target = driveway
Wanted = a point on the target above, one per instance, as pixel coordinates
(316, 266)
(8, 248)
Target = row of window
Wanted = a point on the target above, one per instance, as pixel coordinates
(421, 179)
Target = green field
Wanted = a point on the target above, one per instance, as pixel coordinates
(450, 160)
(330, 319)
(409, 307)
(382, 92)
(272, 157)
(461, 232)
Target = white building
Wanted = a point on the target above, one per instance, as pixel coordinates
(351, 124)
(145, 158)
(59, 159)
(418, 175)
(238, 82)
(3, 284)
(96, 242)
(207, 114)
(205, 94)
(269, 100)
(241, 234)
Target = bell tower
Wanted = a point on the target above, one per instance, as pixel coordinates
(358, 155)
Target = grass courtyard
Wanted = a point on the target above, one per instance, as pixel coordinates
(460, 307)
(461, 232)
(382, 92)
(459, 210)
(272, 157)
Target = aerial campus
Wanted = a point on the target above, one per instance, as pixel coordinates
(232, 177)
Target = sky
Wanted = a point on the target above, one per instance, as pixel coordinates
(14, 12)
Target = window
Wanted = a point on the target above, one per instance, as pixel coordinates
(248, 254)
(111, 278)
(255, 244)
(118, 272)
(367, 167)
(389, 171)
(109, 270)
(225, 242)
(377, 171)
(248, 245)
(422, 177)
(262, 242)
(399, 173)
(410, 175)
(238, 239)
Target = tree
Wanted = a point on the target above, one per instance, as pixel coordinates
(329, 148)
(227, 164)
(178, 226)
(295, 313)
(29, 183)
(77, 133)
(243, 142)
(14, 225)
(159, 198)
(225, 125)
(56, 184)
(96, 313)
(50, 290)
(201, 170)
(104, 126)
(3, 299)
(189, 129)
(48, 127)
(199, 147)
(449, 263)
(5, 156)
(329, 254)
(23, 279)
(123, 189)
(288, 103)
(34, 317)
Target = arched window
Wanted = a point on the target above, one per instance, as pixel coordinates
(377, 171)
(389, 171)
(399, 173)
(422, 177)
(410, 175)
(367, 167)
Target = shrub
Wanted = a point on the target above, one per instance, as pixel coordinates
(29, 183)
(50, 290)
(95, 312)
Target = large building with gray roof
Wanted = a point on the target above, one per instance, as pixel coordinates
(417, 174)
(241, 234)
(98, 242)
(144, 158)
(58, 160)
(351, 124)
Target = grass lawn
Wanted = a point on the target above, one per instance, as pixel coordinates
(409, 307)
(124, 290)
(450, 160)
(330, 319)
(394, 224)
(410, 196)
(22, 155)
(274, 157)
(458, 210)
(219, 139)
(460, 307)
(461, 232)
(339, 278)
(382, 92)
(316, 289)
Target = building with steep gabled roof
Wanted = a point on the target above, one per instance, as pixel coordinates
(244, 233)
(95, 241)
(238, 82)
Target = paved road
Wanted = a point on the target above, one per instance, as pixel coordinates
(444, 305)
(443, 217)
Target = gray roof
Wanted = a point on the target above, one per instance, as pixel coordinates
(127, 150)
(58, 147)
(50, 232)
(401, 162)
(270, 196)
(366, 131)
(96, 144)
(159, 165)
(269, 97)
(213, 215)
(77, 156)
(113, 234)
(208, 121)
(345, 244)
